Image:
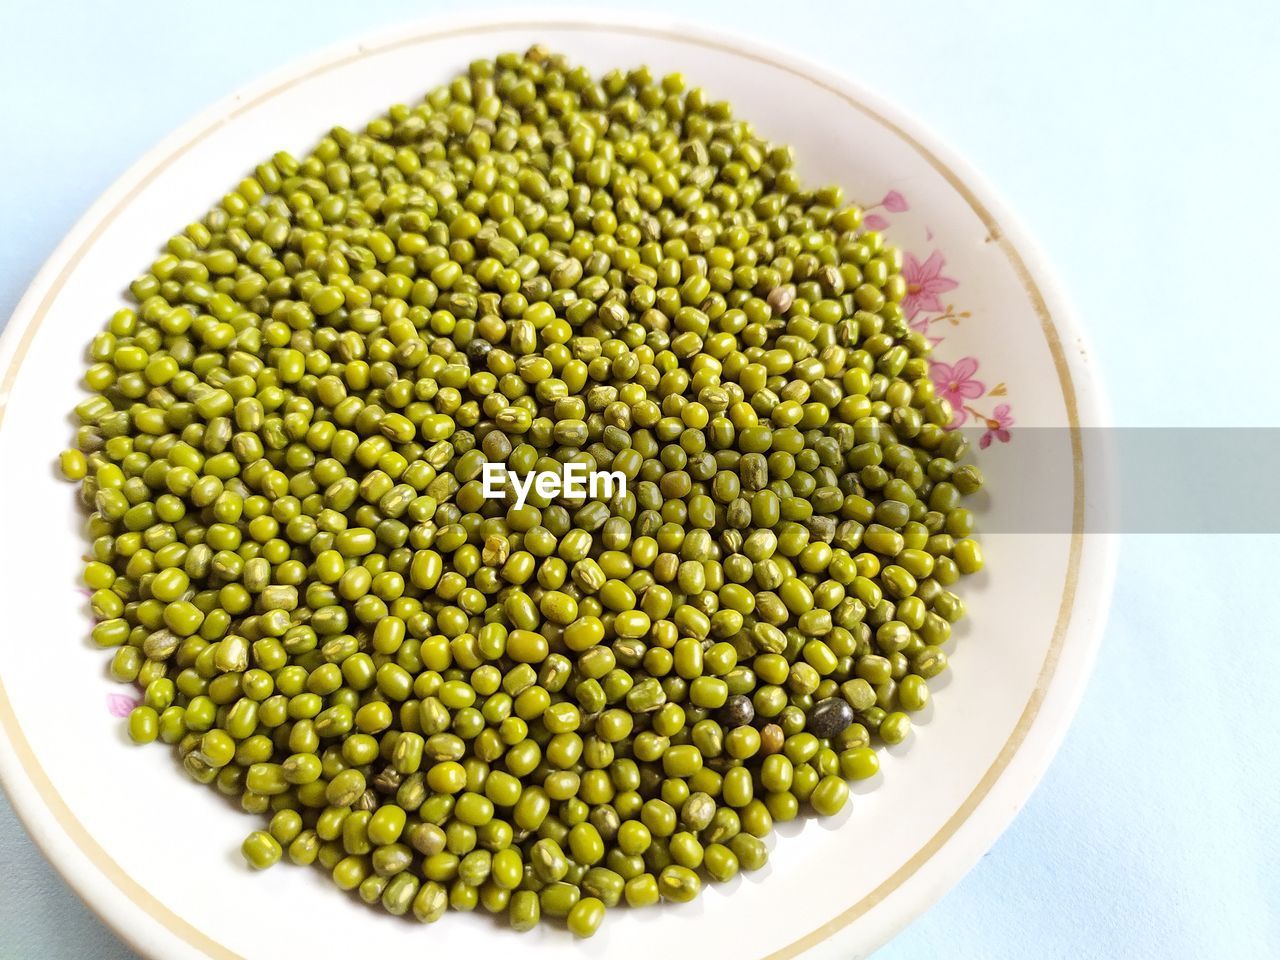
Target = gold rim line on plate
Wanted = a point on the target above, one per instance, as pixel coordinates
(183, 929)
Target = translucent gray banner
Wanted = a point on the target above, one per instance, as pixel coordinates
(1127, 480)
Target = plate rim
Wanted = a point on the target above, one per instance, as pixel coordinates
(49, 819)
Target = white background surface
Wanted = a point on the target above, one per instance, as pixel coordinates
(1140, 148)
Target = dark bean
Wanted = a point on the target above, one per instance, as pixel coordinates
(829, 718)
(737, 711)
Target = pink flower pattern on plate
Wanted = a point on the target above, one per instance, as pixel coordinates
(957, 383)
(120, 704)
(895, 202)
(924, 282)
(892, 202)
(998, 425)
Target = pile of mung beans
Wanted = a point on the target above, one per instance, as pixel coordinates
(446, 701)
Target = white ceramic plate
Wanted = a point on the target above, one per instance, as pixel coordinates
(158, 858)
